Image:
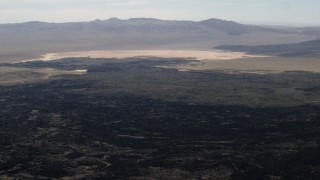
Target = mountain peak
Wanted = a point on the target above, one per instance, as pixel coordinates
(216, 21)
(114, 19)
(144, 20)
(229, 27)
(97, 21)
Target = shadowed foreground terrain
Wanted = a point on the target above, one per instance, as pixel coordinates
(130, 119)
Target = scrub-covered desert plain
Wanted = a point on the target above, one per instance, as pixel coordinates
(223, 112)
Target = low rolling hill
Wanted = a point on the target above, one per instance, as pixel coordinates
(304, 49)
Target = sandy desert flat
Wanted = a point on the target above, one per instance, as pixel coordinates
(258, 65)
(11, 75)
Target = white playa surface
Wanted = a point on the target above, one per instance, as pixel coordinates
(207, 60)
(194, 54)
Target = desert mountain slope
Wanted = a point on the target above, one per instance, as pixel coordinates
(34, 38)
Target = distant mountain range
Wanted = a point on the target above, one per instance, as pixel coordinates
(304, 49)
(33, 38)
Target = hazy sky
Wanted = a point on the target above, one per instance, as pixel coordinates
(304, 12)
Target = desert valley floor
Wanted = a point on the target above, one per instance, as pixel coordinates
(160, 115)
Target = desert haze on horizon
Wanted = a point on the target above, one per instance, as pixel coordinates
(258, 11)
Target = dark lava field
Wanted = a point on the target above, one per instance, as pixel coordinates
(131, 119)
